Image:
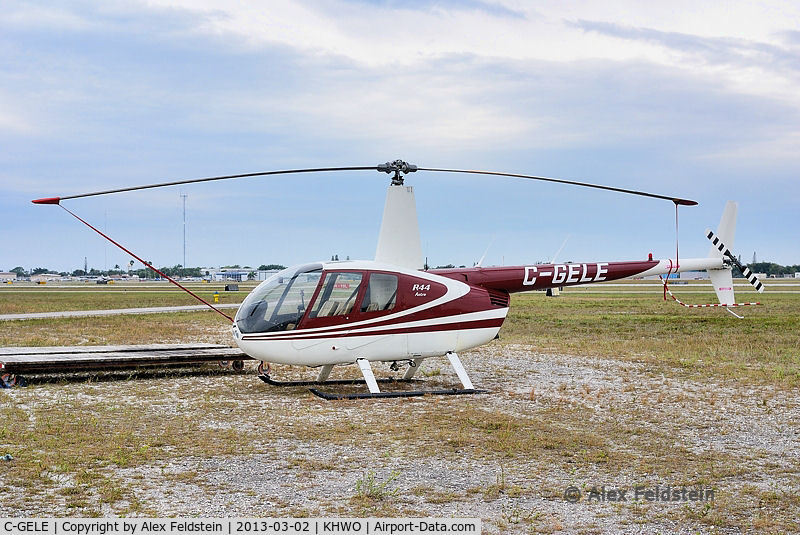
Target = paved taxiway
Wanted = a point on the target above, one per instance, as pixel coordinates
(111, 312)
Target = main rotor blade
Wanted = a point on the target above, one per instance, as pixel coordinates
(398, 167)
(56, 200)
(676, 200)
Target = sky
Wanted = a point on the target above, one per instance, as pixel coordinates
(693, 99)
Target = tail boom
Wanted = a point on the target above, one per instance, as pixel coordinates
(542, 276)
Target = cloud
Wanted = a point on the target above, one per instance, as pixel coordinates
(40, 15)
(745, 66)
(489, 8)
(791, 36)
(389, 34)
(13, 123)
(713, 50)
(116, 94)
(163, 97)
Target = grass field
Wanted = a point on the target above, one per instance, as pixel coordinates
(25, 298)
(615, 389)
(764, 347)
(628, 322)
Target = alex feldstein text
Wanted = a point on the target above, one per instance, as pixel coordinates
(236, 526)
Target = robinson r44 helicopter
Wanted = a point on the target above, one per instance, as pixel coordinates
(390, 309)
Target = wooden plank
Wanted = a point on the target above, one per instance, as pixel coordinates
(122, 356)
(101, 349)
(59, 359)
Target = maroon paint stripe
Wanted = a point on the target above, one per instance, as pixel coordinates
(428, 314)
(466, 325)
(540, 276)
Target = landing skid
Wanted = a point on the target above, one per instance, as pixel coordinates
(372, 383)
(330, 396)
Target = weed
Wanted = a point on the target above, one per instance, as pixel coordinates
(518, 515)
(370, 488)
(492, 492)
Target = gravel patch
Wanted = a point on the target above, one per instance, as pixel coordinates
(756, 426)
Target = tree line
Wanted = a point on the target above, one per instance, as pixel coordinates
(143, 273)
(770, 268)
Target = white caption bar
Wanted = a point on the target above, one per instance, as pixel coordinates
(236, 526)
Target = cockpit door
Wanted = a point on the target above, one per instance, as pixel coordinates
(335, 300)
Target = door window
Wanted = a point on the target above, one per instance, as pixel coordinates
(337, 296)
(381, 293)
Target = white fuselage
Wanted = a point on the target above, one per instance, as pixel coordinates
(417, 332)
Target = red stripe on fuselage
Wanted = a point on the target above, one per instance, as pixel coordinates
(464, 325)
(477, 300)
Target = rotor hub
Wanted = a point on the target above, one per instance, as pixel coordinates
(399, 168)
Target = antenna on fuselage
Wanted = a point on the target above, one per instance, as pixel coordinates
(553, 260)
(480, 262)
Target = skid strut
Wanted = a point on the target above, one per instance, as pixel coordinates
(374, 390)
(270, 381)
(322, 378)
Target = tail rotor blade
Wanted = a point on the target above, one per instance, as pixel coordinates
(749, 275)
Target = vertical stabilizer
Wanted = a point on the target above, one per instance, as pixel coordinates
(722, 279)
(726, 231)
(398, 241)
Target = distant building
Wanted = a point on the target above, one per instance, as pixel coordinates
(656, 277)
(235, 274)
(694, 275)
(11, 276)
(44, 277)
(797, 275)
(226, 274)
(264, 274)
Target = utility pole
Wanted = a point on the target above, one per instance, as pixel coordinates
(183, 197)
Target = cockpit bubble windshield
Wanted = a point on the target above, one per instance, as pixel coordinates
(278, 303)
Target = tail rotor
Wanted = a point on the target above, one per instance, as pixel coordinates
(721, 274)
(749, 275)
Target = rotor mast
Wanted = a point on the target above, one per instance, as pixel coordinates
(399, 168)
(398, 240)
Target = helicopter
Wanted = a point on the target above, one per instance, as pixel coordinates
(393, 309)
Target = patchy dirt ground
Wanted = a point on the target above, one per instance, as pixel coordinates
(229, 445)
